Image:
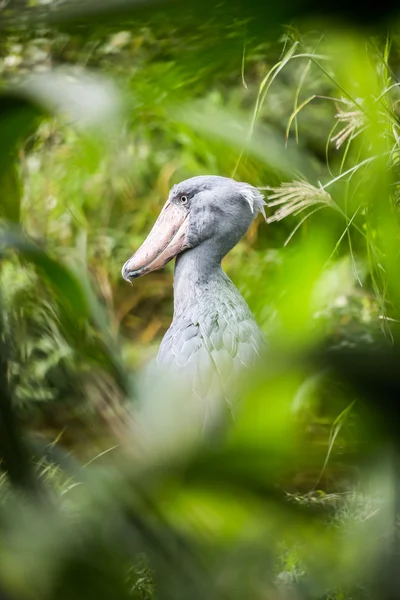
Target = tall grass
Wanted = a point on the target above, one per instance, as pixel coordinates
(103, 498)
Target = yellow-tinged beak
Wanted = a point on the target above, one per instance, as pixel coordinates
(167, 238)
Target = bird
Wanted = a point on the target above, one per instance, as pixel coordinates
(213, 336)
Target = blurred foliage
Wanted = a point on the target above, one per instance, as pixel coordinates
(103, 493)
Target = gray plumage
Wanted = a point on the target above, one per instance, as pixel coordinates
(213, 335)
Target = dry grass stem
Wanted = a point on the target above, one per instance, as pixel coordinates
(295, 196)
(354, 120)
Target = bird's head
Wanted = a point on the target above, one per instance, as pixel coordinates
(209, 210)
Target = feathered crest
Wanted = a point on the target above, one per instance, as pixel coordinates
(254, 198)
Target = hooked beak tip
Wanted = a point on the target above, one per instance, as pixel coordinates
(127, 274)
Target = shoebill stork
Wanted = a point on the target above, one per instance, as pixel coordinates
(213, 335)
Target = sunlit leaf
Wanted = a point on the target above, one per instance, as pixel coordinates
(84, 99)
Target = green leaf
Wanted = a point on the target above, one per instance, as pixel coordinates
(62, 280)
(18, 118)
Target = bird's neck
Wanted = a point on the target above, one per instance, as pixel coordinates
(198, 275)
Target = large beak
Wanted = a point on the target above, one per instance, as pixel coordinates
(167, 238)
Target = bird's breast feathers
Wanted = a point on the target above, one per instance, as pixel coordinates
(211, 348)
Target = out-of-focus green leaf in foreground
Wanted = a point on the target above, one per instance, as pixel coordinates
(295, 497)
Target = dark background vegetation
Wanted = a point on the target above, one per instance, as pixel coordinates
(103, 107)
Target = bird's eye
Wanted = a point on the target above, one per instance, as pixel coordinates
(184, 200)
